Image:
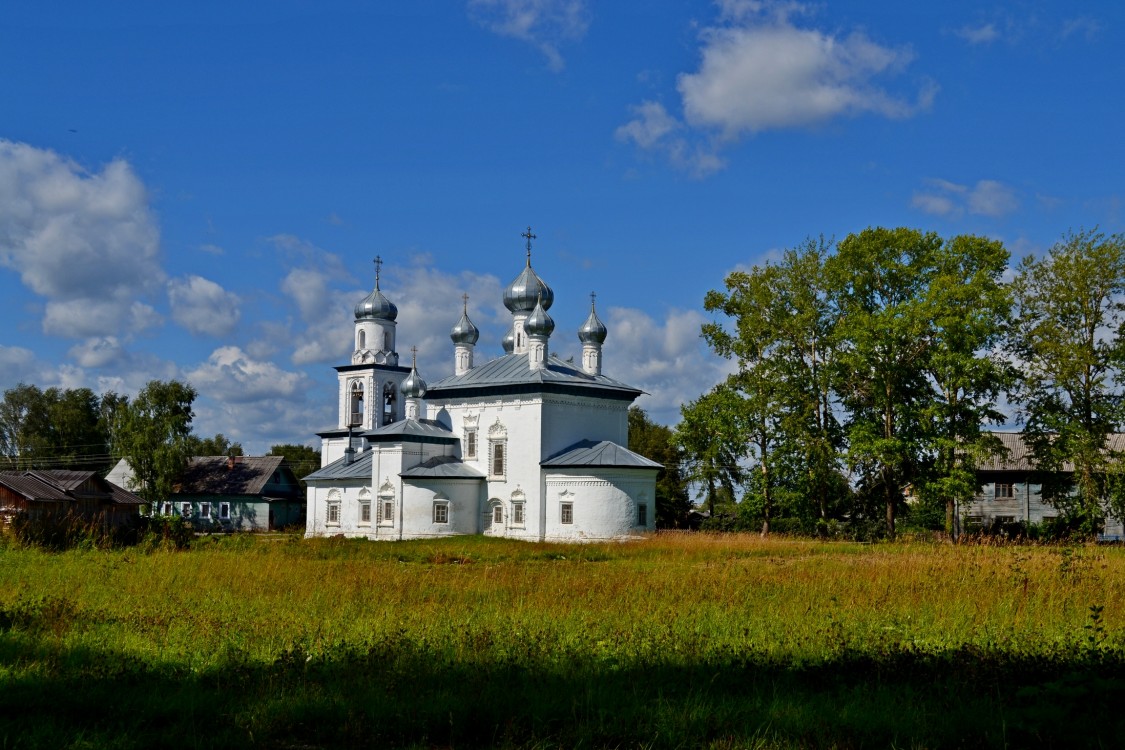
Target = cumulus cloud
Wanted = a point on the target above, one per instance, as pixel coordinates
(97, 352)
(544, 24)
(86, 241)
(952, 200)
(18, 365)
(232, 376)
(761, 71)
(202, 306)
(666, 358)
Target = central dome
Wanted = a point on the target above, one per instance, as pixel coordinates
(527, 289)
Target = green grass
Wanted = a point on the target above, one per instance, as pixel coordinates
(678, 641)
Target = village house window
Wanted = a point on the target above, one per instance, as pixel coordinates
(567, 513)
(185, 510)
(166, 509)
(205, 511)
(517, 514)
(224, 511)
(642, 515)
(441, 511)
(470, 443)
(1002, 489)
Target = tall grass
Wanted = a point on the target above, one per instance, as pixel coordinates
(678, 641)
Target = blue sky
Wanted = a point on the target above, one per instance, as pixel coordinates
(197, 191)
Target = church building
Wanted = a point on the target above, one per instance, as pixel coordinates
(525, 445)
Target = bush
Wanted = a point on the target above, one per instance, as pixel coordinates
(166, 532)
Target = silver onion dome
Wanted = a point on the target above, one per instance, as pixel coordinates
(539, 323)
(376, 306)
(527, 289)
(412, 385)
(465, 332)
(509, 341)
(593, 331)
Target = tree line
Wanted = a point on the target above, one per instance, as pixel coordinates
(872, 367)
(77, 429)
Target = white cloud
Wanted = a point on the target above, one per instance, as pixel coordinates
(18, 365)
(982, 34)
(211, 249)
(98, 352)
(667, 359)
(86, 241)
(233, 377)
(202, 306)
(760, 71)
(1082, 26)
(952, 200)
(544, 24)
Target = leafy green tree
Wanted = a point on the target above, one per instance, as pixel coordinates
(712, 437)
(24, 426)
(52, 429)
(655, 442)
(968, 305)
(1067, 335)
(218, 445)
(881, 277)
(302, 459)
(152, 432)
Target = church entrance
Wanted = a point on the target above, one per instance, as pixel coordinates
(492, 517)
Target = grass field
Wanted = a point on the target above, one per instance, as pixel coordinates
(679, 641)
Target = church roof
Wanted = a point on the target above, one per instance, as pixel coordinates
(600, 453)
(412, 431)
(511, 373)
(443, 467)
(359, 468)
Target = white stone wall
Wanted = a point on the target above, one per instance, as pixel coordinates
(568, 419)
(461, 496)
(604, 502)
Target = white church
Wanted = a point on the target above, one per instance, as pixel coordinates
(525, 445)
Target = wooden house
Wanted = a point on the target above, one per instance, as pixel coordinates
(84, 494)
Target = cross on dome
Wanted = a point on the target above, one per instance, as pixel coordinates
(378, 268)
(529, 237)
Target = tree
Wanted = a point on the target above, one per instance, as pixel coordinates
(152, 432)
(302, 459)
(1067, 335)
(655, 442)
(968, 307)
(213, 446)
(881, 277)
(711, 436)
(24, 423)
(52, 429)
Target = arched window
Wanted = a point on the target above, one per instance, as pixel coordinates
(361, 342)
(387, 505)
(497, 450)
(356, 417)
(390, 398)
(332, 516)
(386, 341)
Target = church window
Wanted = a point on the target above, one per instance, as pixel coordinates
(333, 517)
(224, 511)
(389, 400)
(470, 443)
(441, 511)
(567, 513)
(496, 470)
(362, 342)
(386, 341)
(387, 506)
(365, 512)
(497, 513)
(517, 514)
(356, 404)
(642, 515)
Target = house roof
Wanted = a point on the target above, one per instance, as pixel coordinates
(220, 475)
(1018, 456)
(443, 467)
(603, 453)
(511, 374)
(58, 484)
(359, 468)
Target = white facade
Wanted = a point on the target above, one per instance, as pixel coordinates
(526, 445)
